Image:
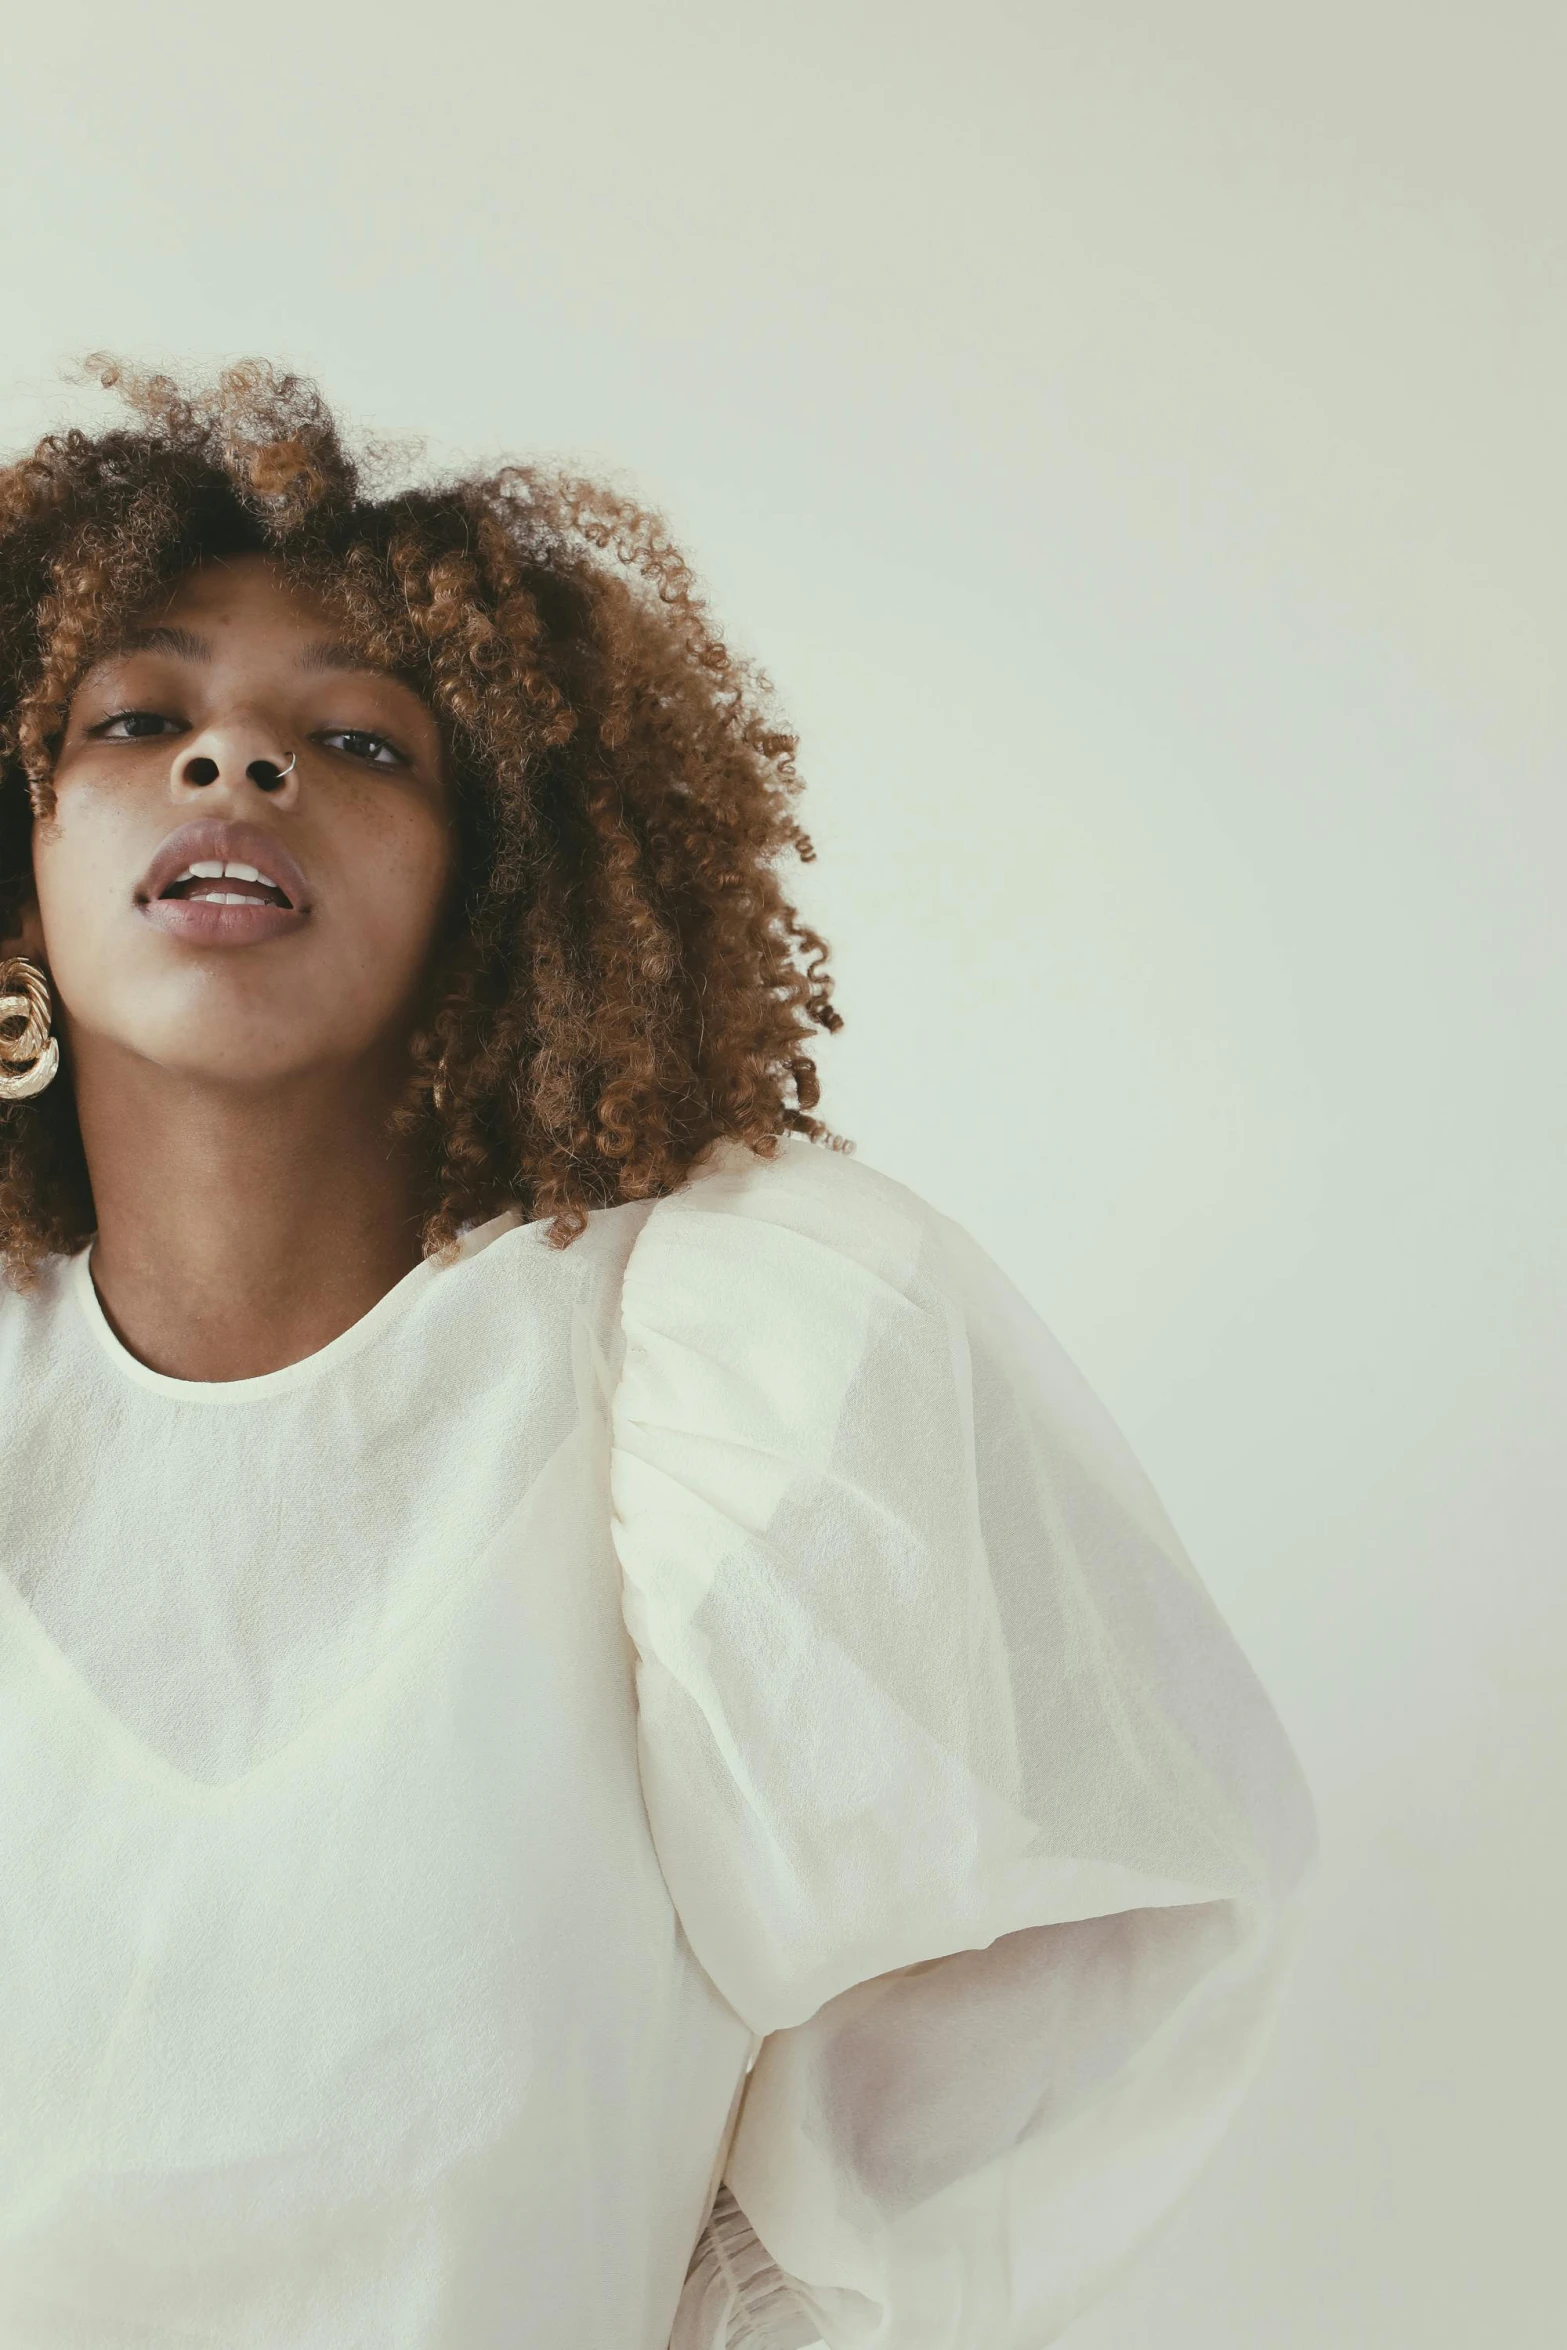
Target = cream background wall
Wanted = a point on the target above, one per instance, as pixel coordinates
(1131, 435)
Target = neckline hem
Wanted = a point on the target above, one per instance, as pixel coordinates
(387, 1308)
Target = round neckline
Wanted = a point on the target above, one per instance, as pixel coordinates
(387, 1308)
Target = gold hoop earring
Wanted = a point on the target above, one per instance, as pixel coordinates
(24, 997)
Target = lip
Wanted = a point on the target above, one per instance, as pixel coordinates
(198, 920)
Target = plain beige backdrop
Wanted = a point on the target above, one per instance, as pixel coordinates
(1131, 434)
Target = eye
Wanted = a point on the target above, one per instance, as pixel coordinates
(135, 726)
(376, 750)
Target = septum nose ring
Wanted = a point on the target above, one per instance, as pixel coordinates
(266, 774)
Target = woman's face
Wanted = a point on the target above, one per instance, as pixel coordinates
(251, 848)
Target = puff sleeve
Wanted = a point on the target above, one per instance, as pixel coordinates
(968, 1801)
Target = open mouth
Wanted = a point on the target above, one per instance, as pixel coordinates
(219, 884)
(226, 884)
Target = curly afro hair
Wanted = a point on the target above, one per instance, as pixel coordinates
(623, 981)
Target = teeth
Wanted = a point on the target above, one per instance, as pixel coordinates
(208, 869)
(223, 897)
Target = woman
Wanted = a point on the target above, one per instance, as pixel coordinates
(601, 1743)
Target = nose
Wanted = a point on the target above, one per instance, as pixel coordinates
(237, 756)
(265, 774)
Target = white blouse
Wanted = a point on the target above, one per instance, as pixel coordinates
(676, 1791)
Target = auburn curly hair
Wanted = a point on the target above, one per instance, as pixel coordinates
(622, 981)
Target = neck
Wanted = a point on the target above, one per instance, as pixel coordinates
(242, 1228)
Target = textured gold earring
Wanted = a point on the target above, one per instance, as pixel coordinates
(24, 999)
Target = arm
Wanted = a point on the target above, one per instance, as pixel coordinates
(968, 1798)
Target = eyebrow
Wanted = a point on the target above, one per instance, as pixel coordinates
(328, 655)
(186, 645)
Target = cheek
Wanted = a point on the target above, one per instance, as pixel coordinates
(78, 879)
(400, 895)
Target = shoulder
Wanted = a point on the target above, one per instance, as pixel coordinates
(30, 1315)
(803, 1207)
(778, 1270)
(758, 1301)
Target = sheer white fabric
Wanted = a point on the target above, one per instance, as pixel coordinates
(199, 1549)
(970, 1804)
(677, 1792)
(342, 2002)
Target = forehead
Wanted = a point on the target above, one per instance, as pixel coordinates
(239, 591)
(238, 610)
